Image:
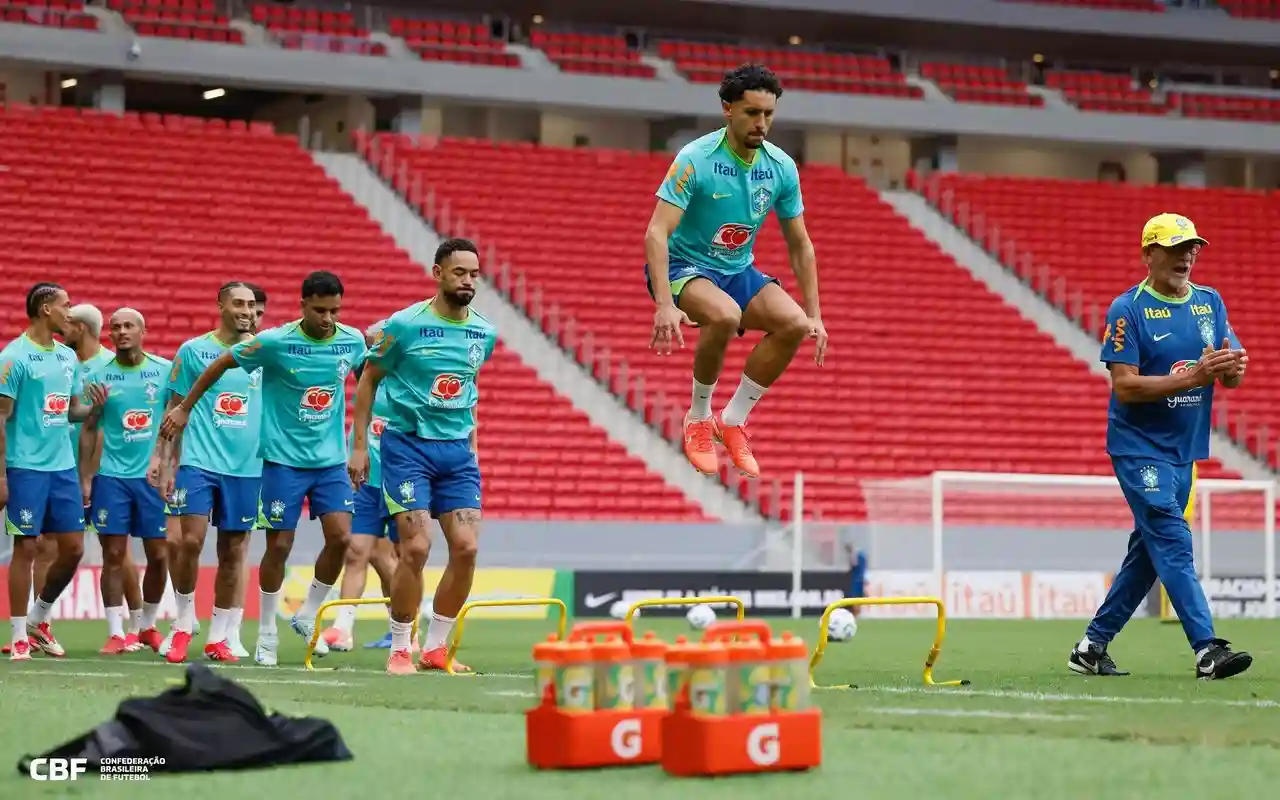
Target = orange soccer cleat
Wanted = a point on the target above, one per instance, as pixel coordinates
(737, 442)
(114, 646)
(338, 639)
(178, 648)
(151, 638)
(19, 650)
(700, 445)
(219, 651)
(132, 643)
(41, 638)
(400, 662)
(434, 660)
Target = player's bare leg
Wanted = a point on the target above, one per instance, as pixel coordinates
(231, 555)
(462, 535)
(153, 583)
(355, 569)
(70, 549)
(20, 564)
(785, 327)
(413, 528)
(184, 570)
(173, 552)
(718, 319)
(336, 527)
(271, 572)
(132, 588)
(115, 550)
(46, 552)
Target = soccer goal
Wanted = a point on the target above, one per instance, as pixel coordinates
(1028, 546)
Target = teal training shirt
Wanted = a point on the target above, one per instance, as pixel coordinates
(41, 382)
(87, 368)
(305, 405)
(224, 428)
(725, 201)
(132, 414)
(431, 364)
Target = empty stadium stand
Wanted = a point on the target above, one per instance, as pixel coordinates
(1236, 107)
(925, 363)
(970, 83)
(593, 55)
(1252, 9)
(199, 20)
(156, 212)
(1102, 258)
(1103, 91)
(706, 62)
(1112, 5)
(447, 40)
(48, 13)
(313, 29)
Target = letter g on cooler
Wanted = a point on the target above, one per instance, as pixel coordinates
(762, 744)
(625, 739)
(57, 769)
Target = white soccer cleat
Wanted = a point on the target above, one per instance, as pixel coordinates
(265, 653)
(236, 646)
(167, 644)
(41, 638)
(306, 628)
(338, 639)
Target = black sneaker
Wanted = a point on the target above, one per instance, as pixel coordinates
(1220, 661)
(1093, 661)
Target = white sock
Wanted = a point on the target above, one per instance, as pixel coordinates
(268, 612)
(218, 625)
(743, 400)
(346, 620)
(233, 626)
(316, 596)
(19, 625)
(438, 630)
(399, 635)
(149, 613)
(1200, 654)
(700, 408)
(1084, 645)
(39, 611)
(135, 620)
(186, 613)
(115, 621)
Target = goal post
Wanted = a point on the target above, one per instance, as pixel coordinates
(959, 534)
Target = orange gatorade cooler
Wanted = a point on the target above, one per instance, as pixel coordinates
(574, 678)
(613, 674)
(708, 679)
(677, 668)
(545, 658)
(749, 688)
(790, 660)
(649, 679)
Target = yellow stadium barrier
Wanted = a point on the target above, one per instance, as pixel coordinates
(315, 635)
(467, 607)
(850, 602)
(686, 601)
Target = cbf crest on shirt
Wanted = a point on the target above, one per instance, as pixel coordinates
(1163, 335)
(431, 365)
(41, 382)
(304, 397)
(725, 200)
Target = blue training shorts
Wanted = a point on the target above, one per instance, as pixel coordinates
(126, 506)
(43, 502)
(440, 476)
(283, 488)
(741, 287)
(371, 517)
(230, 502)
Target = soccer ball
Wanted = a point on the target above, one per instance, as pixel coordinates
(700, 617)
(619, 610)
(842, 625)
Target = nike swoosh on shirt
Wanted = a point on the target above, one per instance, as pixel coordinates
(1162, 336)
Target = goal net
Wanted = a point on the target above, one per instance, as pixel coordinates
(1029, 546)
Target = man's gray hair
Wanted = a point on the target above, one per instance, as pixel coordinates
(88, 316)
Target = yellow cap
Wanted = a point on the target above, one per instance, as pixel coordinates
(1168, 230)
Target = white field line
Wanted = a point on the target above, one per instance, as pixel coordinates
(53, 666)
(1047, 697)
(32, 673)
(511, 693)
(981, 713)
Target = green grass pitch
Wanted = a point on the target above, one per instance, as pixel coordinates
(1026, 727)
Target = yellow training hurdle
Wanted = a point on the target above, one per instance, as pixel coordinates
(849, 602)
(456, 641)
(362, 601)
(685, 601)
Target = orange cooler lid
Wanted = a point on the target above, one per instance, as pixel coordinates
(611, 649)
(788, 647)
(712, 654)
(649, 647)
(746, 650)
(546, 651)
(572, 652)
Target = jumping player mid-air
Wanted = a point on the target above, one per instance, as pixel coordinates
(304, 366)
(701, 267)
(219, 471)
(40, 396)
(428, 357)
(115, 448)
(1161, 346)
(373, 534)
